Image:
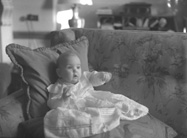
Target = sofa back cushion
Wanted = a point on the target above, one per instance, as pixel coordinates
(148, 67)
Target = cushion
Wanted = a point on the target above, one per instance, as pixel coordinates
(5, 79)
(57, 37)
(145, 127)
(38, 69)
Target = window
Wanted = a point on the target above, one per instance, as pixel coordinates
(63, 17)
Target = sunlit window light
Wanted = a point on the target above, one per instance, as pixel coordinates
(169, 5)
(86, 2)
(184, 30)
(63, 17)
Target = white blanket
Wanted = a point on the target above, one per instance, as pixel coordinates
(89, 112)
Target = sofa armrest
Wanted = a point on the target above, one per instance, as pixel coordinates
(12, 113)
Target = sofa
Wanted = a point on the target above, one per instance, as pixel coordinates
(148, 67)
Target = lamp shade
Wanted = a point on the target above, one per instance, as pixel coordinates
(82, 2)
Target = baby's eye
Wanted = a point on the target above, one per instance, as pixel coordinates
(69, 67)
(78, 67)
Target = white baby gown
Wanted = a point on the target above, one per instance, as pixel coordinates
(88, 112)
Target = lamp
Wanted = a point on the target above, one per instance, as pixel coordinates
(76, 21)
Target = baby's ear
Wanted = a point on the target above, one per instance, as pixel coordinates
(58, 72)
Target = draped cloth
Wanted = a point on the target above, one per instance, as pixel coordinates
(88, 112)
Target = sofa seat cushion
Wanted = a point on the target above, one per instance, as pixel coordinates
(145, 127)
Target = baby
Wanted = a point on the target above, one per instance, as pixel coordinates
(80, 111)
(70, 74)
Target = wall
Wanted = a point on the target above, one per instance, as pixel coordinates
(42, 8)
(181, 15)
(34, 30)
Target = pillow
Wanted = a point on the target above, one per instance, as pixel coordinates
(38, 70)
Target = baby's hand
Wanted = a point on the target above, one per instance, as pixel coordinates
(106, 76)
(66, 94)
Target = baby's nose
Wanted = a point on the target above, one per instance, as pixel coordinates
(75, 69)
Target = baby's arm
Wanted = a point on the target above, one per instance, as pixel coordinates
(99, 78)
(58, 99)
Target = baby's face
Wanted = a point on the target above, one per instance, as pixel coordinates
(70, 70)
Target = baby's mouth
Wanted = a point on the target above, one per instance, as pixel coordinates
(75, 76)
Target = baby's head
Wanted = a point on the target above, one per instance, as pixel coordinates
(162, 22)
(69, 67)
